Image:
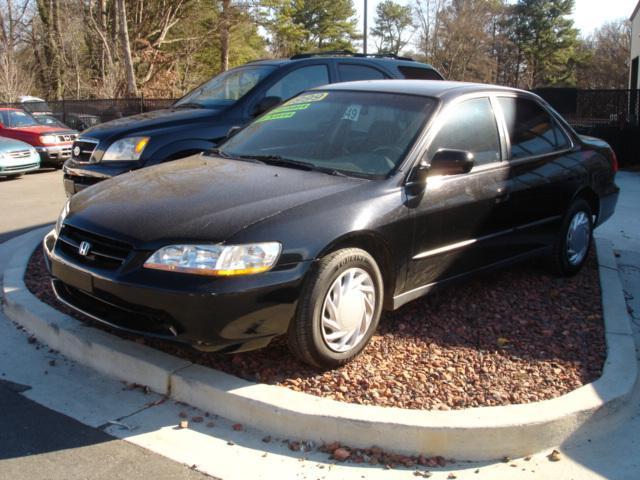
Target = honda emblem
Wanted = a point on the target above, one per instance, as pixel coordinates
(84, 248)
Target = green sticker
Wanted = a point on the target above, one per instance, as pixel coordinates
(292, 108)
(309, 97)
(275, 116)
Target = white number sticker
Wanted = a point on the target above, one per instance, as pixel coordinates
(352, 113)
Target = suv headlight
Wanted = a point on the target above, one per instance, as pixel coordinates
(126, 149)
(217, 260)
(61, 217)
(49, 139)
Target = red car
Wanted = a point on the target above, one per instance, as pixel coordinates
(52, 143)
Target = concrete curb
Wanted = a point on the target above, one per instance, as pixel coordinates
(484, 433)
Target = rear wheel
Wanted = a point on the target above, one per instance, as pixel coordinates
(574, 239)
(339, 309)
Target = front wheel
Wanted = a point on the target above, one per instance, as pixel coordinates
(339, 309)
(574, 239)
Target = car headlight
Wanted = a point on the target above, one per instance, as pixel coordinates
(49, 139)
(61, 217)
(126, 149)
(218, 260)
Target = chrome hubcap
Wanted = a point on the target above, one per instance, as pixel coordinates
(348, 310)
(578, 238)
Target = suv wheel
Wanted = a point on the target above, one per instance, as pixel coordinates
(574, 239)
(339, 309)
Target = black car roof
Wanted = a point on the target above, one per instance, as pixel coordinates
(278, 62)
(427, 88)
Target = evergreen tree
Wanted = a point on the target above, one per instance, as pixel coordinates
(391, 25)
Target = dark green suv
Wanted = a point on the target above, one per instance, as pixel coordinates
(200, 119)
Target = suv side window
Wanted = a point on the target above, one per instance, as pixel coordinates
(417, 73)
(532, 130)
(470, 126)
(350, 72)
(299, 80)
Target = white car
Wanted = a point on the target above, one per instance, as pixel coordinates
(17, 158)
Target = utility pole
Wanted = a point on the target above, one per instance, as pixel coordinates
(364, 39)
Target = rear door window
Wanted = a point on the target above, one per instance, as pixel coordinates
(470, 126)
(301, 79)
(350, 72)
(532, 130)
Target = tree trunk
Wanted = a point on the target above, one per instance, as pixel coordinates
(132, 90)
(225, 27)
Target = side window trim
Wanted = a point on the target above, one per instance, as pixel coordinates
(507, 138)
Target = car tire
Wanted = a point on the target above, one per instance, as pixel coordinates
(572, 245)
(342, 294)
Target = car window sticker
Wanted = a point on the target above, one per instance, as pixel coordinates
(352, 113)
(309, 97)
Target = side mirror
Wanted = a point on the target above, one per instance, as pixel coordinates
(451, 162)
(267, 103)
(232, 131)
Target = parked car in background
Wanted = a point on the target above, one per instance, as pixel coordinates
(41, 110)
(199, 120)
(49, 120)
(52, 143)
(17, 158)
(347, 200)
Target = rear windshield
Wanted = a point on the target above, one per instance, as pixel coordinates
(17, 119)
(225, 89)
(360, 133)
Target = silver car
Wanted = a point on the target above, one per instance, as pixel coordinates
(17, 158)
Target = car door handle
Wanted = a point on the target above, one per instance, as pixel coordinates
(502, 195)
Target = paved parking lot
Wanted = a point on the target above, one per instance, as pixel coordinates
(30, 201)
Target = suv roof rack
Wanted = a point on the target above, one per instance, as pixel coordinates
(349, 53)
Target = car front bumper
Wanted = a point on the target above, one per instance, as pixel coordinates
(7, 170)
(211, 313)
(80, 175)
(54, 155)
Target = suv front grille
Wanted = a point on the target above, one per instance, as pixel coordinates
(103, 253)
(86, 147)
(67, 137)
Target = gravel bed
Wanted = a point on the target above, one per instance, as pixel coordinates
(517, 335)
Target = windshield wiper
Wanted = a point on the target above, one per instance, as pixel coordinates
(280, 161)
(189, 105)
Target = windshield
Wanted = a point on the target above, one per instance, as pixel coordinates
(225, 89)
(17, 119)
(360, 133)
(49, 121)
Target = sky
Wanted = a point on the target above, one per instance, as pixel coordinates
(588, 14)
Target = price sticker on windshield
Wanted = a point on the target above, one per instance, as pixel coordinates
(352, 113)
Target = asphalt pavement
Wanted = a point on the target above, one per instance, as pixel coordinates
(39, 443)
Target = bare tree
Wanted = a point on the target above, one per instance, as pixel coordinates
(14, 77)
(130, 75)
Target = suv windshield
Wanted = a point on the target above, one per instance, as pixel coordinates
(17, 118)
(225, 89)
(360, 133)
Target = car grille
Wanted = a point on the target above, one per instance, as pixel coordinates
(67, 137)
(106, 308)
(19, 154)
(15, 168)
(104, 253)
(86, 149)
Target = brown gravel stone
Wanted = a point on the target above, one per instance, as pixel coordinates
(517, 335)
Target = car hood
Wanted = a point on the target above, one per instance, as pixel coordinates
(199, 198)
(9, 145)
(43, 130)
(151, 120)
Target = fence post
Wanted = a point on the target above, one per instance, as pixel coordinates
(64, 112)
(141, 102)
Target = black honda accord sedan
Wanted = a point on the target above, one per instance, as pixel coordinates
(345, 201)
